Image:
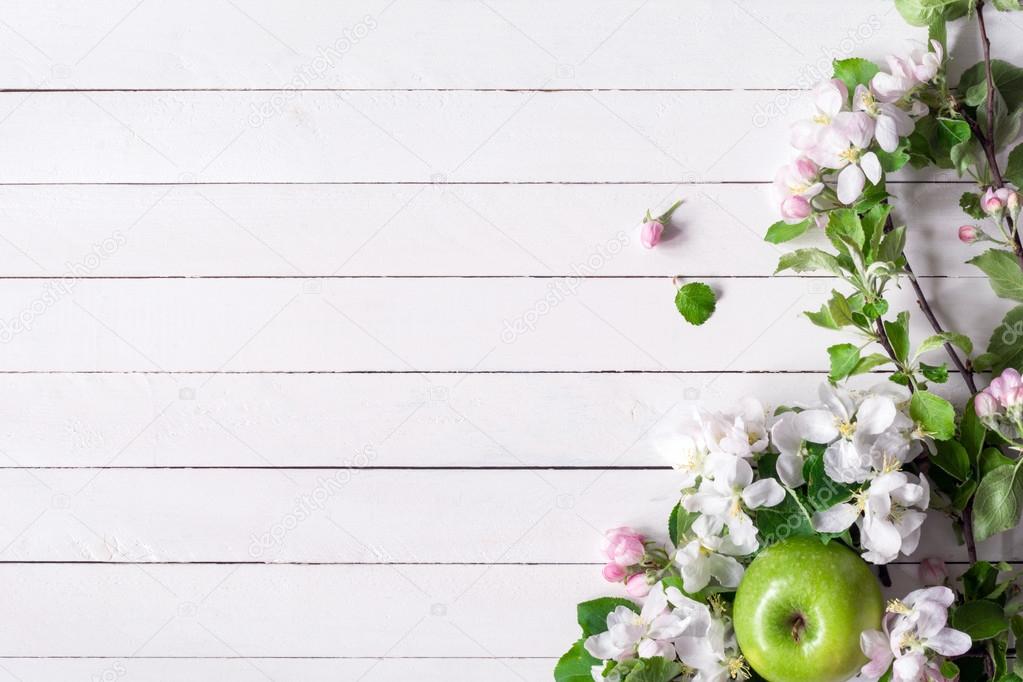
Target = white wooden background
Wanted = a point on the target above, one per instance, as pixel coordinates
(263, 416)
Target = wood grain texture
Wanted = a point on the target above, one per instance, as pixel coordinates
(447, 44)
(423, 230)
(477, 324)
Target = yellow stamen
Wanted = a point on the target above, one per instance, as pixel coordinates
(896, 606)
(737, 669)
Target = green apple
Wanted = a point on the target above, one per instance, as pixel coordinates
(800, 609)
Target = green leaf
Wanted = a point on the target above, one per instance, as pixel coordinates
(809, 260)
(844, 358)
(981, 619)
(1003, 272)
(679, 523)
(893, 245)
(898, 335)
(855, 72)
(895, 159)
(972, 433)
(1006, 5)
(1014, 169)
(970, 203)
(961, 341)
(869, 362)
(822, 492)
(936, 373)
(592, 615)
(951, 458)
(1008, 80)
(845, 231)
(576, 665)
(1005, 347)
(926, 12)
(934, 415)
(949, 670)
(990, 459)
(696, 302)
(980, 580)
(823, 318)
(782, 231)
(655, 669)
(997, 503)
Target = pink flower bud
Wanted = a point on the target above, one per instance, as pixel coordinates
(1003, 387)
(932, 572)
(637, 586)
(614, 573)
(650, 234)
(623, 546)
(985, 405)
(968, 234)
(994, 200)
(796, 208)
(805, 168)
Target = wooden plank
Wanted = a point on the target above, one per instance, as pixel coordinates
(429, 230)
(395, 137)
(449, 44)
(403, 420)
(381, 324)
(278, 669)
(348, 516)
(435, 611)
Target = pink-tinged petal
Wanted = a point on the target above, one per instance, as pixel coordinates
(871, 166)
(836, 519)
(805, 134)
(850, 184)
(637, 586)
(874, 645)
(886, 133)
(949, 642)
(907, 668)
(830, 96)
(940, 594)
(725, 570)
(763, 493)
(650, 234)
(795, 209)
(613, 572)
(857, 126)
(932, 571)
(602, 646)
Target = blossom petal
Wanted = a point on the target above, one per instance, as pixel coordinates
(874, 645)
(836, 519)
(763, 493)
(790, 470)
(876, 414)
(871, 165)
(817, 426)
(850, 184)
(725, 570)
(886, 133)
(949, 642)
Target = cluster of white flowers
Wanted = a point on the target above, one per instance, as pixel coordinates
(674, 627)
(914, 638)
(838, 138)
(713, 451)
(869, 437)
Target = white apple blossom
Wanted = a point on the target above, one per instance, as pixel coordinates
(645, 634)
(713, 652)
(890, 122)
(889, 514)
(702, 559)
(829, 99)
(845, 146)
(788, 441)
(914, 637)
(686, 445)
(724, 497)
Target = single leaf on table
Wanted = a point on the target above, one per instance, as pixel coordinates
(844, 358)
(696, 302)
(782, 231)
(855, 71)
(576, 665)
(809, 260)
(981, 619)
(592, 615)
(1003, 272)
(996, 506)
(1005, 347)
(934, 415)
